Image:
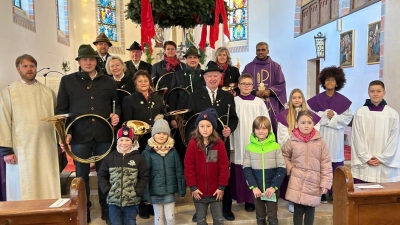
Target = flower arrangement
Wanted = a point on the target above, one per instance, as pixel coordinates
(65, 66)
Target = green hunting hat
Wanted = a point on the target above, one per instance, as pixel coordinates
(86, 51)
(192, 51)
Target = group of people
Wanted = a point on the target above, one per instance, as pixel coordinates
(249, 143)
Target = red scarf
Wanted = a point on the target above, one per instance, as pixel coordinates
(306, 138)
(172, 63)
(222, 67)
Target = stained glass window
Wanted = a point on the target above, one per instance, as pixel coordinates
(238, 20)
(106, 19)
(17, 3)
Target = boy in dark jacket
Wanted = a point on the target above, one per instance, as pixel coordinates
(123, 176)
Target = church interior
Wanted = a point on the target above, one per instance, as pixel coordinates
(361, 36)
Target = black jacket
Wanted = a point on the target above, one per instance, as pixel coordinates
(131, 69)
(102, 64)
(123, 178)
(179, 99)
(135, 107)
(159, 69)
(232, 75)
(79, 94)
(126, 84)
(200, 101)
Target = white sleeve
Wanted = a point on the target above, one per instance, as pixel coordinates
(359, 149)
(339, 121)
(282, 133)
(391, 153)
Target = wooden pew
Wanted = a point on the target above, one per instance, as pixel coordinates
(355, 206)
(38, 211)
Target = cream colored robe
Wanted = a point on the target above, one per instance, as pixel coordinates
(36, 175)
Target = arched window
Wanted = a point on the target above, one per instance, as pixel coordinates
(238, 20)
(107, 19)
(62, 22)
(110, 21)
(24, 14)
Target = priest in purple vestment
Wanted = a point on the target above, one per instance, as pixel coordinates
(269, 82)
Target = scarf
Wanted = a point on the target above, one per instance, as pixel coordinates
(161, 149)
(306, 138)
(222, 67)
(195, 72)
(172, 63)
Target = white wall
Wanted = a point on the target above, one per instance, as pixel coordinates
(293, 53)
(43, 45)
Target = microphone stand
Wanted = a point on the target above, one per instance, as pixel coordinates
(53, 71)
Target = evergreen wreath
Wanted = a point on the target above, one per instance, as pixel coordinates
(182, 13)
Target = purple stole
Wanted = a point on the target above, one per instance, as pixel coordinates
(281, 117)
(321, 102)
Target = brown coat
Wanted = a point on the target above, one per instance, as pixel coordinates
(310, 168)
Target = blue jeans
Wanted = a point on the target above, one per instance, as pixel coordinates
(84, 151)
(201, 210)
(123, 215)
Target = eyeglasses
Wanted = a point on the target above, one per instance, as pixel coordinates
(330, 81)
(246, 84)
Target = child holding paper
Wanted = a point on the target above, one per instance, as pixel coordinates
(264, 170)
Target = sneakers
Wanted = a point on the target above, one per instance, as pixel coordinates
(323, 199)
(291, 207)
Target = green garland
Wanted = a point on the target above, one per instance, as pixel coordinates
(183, 13)
(149, 59)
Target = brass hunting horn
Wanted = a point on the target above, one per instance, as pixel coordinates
(58, 122)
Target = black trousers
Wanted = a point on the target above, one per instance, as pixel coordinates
(307, 211)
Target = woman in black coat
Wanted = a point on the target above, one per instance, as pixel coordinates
(142, 105)
(230, 74)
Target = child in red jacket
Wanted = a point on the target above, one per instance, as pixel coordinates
(207, 167)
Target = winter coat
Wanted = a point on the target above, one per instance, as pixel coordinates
(166, 174)
(310, 169)
(79, 94)
(206, 169)
(263, 163)
(123, 178)
(131, 69)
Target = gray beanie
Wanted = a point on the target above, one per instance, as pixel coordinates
(160, 125)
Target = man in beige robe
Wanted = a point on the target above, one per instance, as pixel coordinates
(28, 145)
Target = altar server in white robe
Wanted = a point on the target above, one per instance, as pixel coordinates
(29, 145)
(375, 155)
(248, 107)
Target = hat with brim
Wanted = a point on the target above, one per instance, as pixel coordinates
(86, 51)
(212, 66)
(192, 51)
(102, 38)
(135, 46)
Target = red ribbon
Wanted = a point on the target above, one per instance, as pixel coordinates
(214, 29)
(147, 29)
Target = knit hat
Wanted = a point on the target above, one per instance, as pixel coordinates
(160, 126)
(209, 114)
(125, 132)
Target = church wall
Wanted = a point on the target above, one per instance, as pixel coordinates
(293, 53)
(43, 45)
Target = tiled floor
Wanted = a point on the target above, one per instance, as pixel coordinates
(184, 210)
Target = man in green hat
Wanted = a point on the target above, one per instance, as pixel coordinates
(102, 44)
(135, 64)
(89, 91)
